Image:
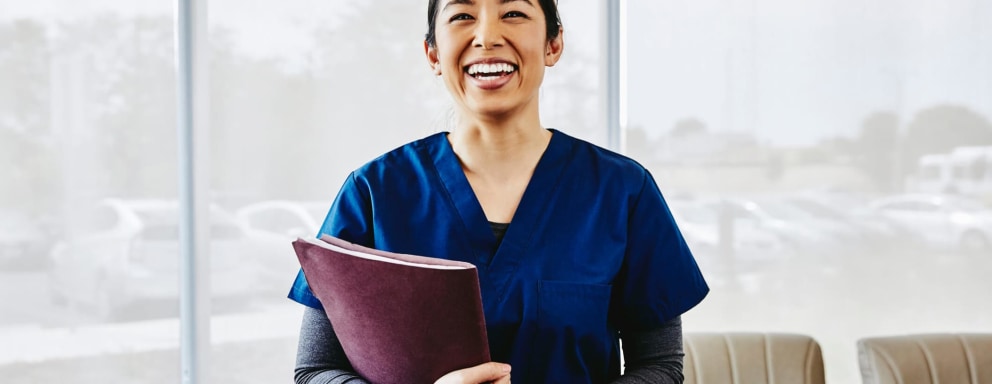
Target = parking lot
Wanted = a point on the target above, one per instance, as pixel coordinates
(837, 302)
(774, 265)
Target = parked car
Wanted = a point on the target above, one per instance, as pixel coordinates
(285, 217)
(125, 252)
(840, 236)
(877, 231)
(281, 222)
(23, 242)
(797, 236)
(943, 221)
(700, 226)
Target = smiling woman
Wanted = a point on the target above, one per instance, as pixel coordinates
(488, 55)
(574, 245)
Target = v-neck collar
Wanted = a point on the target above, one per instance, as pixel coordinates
(496, 269)
(532, 204)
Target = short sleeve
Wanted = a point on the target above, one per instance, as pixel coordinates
(349, 219)
(660, 279)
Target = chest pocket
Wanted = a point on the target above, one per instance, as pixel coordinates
(573, 332)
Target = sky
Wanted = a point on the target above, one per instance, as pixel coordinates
(791, 73)
(798, 72)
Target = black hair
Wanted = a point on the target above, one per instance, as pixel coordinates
(551, 18)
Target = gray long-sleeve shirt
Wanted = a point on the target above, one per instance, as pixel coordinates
(652, 357)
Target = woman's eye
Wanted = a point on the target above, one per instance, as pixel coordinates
(460, 16)
(515, 14)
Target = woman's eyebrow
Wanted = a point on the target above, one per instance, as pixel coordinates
(457, 2)
(472, 2)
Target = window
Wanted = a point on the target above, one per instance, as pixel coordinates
(308, 91)
(931, 172)
(978, 169)
(960, 172)
(726, 102)
(277, 221)
(769, 101)
(87, 115)
(95, 219)
(301, 94)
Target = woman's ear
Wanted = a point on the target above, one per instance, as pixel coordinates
(555, 48)
(431, 53)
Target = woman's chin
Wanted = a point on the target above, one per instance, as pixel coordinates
(493, 113)
(494, 107)
(487, 107)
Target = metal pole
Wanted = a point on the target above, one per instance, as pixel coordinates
(613, 75)
(194, 288)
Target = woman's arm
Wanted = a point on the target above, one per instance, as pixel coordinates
(653, 357)
(320, 358)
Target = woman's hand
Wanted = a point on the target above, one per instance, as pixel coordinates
(496, 373)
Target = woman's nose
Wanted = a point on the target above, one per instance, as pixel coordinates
(487, 33)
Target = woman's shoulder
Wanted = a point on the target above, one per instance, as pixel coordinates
(605, 162)
(405, 160)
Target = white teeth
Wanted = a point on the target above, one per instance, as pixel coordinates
(490, 68)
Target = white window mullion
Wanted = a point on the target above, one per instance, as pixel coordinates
(194, 233)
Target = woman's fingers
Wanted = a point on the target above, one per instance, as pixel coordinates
(504, 380)
(482, 373)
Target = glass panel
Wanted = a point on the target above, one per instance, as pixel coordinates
(573, 94)
(87, 146)
(304, 92)
(836, 126)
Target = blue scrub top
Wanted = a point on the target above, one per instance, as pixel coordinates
(592, 249)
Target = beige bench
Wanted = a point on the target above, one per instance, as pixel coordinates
(752, 358)
(927, 359)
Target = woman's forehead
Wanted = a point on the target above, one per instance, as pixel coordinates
(448, 3)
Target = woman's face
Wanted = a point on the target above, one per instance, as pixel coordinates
(492, 53)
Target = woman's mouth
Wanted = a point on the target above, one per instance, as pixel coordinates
(490, 76)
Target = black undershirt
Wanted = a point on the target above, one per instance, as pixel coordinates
(499, 230)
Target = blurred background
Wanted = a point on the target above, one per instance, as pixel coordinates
(828, 161)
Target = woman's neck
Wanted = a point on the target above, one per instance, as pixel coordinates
(499, 148)
(499, 157)
(499, 139)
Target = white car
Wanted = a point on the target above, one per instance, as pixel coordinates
(944, 222)
(284, 217)
(126, 252)
(795, 237)
(699, 224)
(281, 222)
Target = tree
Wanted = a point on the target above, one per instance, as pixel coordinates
(26, 156)
(940, 129)
(372, 84)
(129, 102)
(264, 119)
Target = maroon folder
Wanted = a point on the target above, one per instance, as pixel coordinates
(401, 319)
